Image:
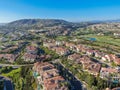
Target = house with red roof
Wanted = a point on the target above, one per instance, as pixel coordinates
(31, 49)
(9, 57)
(74, 56)
(49, 77)
(61, 50)
(111, 74)
(30, 57)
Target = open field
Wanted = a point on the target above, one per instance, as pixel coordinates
(104, 39)
(108, 42)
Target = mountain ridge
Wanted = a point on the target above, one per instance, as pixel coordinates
(47, 22)
(56, 24)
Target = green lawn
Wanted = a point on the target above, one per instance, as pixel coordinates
(11, 73)
(22, 78)
(62, 38)
(104, 39)
(103, 42)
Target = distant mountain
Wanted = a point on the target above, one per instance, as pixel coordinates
(56, 24)
(45, 24)
(106, 21)
(38, 22)
(113, 21)
(50, 22)
(2, 24)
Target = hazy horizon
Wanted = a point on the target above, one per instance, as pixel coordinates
(61, 19)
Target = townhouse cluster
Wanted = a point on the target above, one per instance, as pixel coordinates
(48, 77)
(28, 53)
(8, 57)
(9, 49)
(31, 54)
(111, 74)
(87, 63)
(64, 48)
(9, 53)
(95, 53)
(95, 68)
(57, 47)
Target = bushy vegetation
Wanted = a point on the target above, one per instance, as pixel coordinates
(83, 32)
(22, 78)
(49, 52)
(6, 69)
(92, 82)
(1, 85)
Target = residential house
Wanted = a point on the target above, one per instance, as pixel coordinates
(49, 45)
(59, 43)
(98, 54)
(90, 52)
(108, 57)
(55, 83)
(90, 66)
(113, 58)
(117, 61)
(49, 77)
(61, 50)
(31, 49)
(81, 48)
(30, 57)
(9, 49)
(110, 74)
(9, 57)
(74, 56)
(71, 46)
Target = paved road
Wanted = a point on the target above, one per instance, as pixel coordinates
(77, 84)
(14, 66)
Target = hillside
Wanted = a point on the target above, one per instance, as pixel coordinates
(38, 22)
(42, 24)
(60, 25)
(110, 27)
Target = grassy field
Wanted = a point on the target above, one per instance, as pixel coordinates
(107, 42)
(10, 74)
(63, 38)
(104, 39)
(22, 78)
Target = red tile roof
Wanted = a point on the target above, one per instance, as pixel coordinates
(54, 83)
(49, 76)
(74, 56)
(32, 48)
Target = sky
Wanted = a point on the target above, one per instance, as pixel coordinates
(70, 10)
